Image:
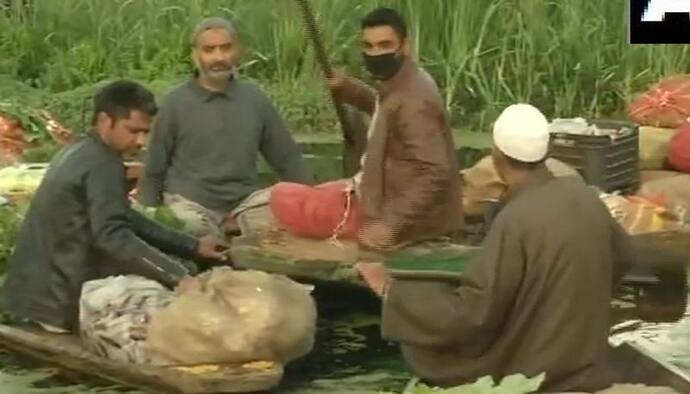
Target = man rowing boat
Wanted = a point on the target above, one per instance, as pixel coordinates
(408, 189)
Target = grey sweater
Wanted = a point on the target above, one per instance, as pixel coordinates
(205, 146)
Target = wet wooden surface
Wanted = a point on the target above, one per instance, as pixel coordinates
(633, 364)
(279, 252)
(65, 351)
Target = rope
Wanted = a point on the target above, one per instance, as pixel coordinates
(348, 207)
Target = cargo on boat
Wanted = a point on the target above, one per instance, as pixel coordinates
(66, 351)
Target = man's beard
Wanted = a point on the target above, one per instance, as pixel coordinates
(218, 73)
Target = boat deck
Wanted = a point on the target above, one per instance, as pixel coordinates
(67, 352)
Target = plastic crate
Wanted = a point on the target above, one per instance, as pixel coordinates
(610, 164)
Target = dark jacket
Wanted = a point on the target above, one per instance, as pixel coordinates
(205, 146)
(80, 227)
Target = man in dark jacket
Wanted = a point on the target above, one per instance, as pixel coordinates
(80, 225)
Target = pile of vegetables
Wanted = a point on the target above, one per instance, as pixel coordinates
(10, 220)
(162, 215)
(21, 179)
(23, 129)
(513, 384)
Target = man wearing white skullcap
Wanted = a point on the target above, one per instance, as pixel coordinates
(521, 132)
(521, 142)
(537, 297)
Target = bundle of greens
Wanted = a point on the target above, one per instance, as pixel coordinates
(513, 384)
(162, 215)
(10, 221)
(28, 119)
(23, 128)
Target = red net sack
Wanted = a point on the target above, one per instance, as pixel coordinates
(678, 155)
(666, 104)
(315, 212)
(12, 141)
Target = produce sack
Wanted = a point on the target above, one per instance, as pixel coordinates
(234, 317)
(666, 104)
(21, 179)
(22, 128)
(316, 211)
(654, 145)
(114, 314)
(12, 141)
(679, 149)
(253, 215)
(669, 187)
(640, 215)
(482, 184)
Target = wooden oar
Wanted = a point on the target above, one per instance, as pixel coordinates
(354, 141)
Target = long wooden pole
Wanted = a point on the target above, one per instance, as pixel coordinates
(353, 141)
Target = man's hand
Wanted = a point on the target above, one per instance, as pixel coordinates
(230, 226)
(375, 275)
(133, 195)
(213, 248)
(337, 81)
(377, 236)
(186, 284)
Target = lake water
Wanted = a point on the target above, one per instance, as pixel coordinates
(349, 355)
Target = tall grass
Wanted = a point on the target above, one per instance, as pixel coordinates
(569, 57)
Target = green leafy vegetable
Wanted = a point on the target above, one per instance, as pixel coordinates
(513, 384)
(162, 215)
(10, 221)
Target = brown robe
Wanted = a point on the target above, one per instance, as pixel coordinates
(537, 299)
(409, 178)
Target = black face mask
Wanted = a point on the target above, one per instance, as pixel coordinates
(385, 66)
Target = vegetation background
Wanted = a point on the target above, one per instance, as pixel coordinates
(568, 57)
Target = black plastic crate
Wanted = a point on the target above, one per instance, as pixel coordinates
(610, 164)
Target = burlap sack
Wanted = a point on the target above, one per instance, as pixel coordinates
(639, 215)
(234, 317)
(654, 143)
(114, 313)
(481, 183)
(672, 188)
(12, 141)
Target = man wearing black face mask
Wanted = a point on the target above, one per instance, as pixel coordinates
(408, 189)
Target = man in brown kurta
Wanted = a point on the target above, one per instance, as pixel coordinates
(408, 187)
(537, 298)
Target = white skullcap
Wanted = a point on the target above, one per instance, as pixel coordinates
(522, 132)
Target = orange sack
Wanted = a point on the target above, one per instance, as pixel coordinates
(678, 155)
(315, 211)
(666, 104)
(12, 141)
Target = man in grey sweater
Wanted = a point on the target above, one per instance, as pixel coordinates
(202, 157)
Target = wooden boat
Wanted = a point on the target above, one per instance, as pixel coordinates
(279, 252)
(634, 364)
(66, 351)
(654, 299)
(657, 289)
(306, 259)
